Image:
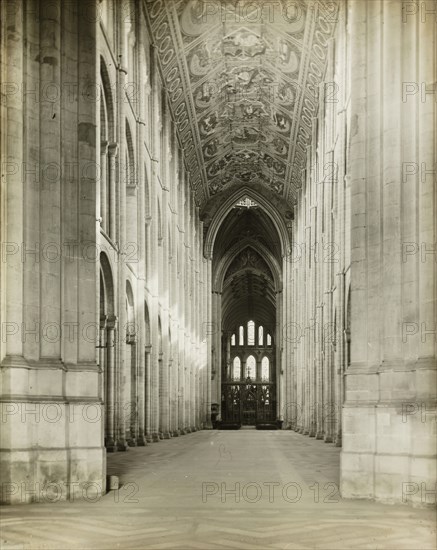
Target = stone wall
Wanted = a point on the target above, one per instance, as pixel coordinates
(316, 336)
(104, 290)
(360, 336)
(389, 413)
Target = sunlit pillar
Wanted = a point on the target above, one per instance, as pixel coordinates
(148, 393)
(111, 218)
(103, 185)
(111, 338)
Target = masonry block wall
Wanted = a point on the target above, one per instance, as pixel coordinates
(104, 291)
(50, 380)
(317, 335)
(150, 241)
(389, 422)
(361, 341)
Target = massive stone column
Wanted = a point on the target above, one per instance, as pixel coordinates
(148, 394)
(389, 415)
(123, 410)
(110, 377)
(112, 188)
(103, 185)
(51, 385)
(208, 336)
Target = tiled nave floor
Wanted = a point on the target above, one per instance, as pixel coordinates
(178, 494)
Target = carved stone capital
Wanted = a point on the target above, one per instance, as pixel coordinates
(111, 322)
(103, 148)
(112, 149)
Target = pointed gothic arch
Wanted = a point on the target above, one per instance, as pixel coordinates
(226, 207)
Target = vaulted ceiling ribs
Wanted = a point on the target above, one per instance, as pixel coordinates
(243, 84)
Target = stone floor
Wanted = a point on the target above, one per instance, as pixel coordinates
(222, 489)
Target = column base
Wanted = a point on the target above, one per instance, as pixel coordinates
(141, 441)
(149, 438)
(132, 442)
(319, 435)
(328, 439)
(122, 445)
(194, 429)
(166, 435)
(74, 467)
(155, 437)
(110, 446)
(182, 432)
(176, 433)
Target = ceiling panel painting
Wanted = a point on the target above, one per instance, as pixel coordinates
(243, 85)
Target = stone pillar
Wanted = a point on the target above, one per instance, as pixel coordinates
(13, 190)
(102, 354)
(103, 186)
(278, 342)
(384, 447)
(313, 321)
(156, 396)
(209, 339)
(110, 224)
(134, 405)
(340, 356)
(111, 339)
(46, 284)
(142, 401)
(174, 430)
(164, 398)
(148, 394)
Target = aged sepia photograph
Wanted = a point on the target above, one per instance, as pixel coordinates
(218, 276)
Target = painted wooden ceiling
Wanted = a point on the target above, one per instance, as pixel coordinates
(243, 82)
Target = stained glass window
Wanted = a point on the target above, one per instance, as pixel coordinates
(265, 369)
(236, 369)
(250, 333)
(251, 367)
